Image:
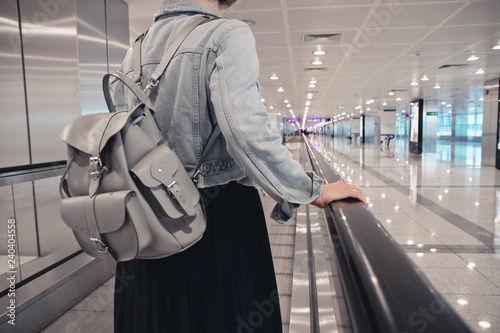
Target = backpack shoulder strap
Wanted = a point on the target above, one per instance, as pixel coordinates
(155, 77)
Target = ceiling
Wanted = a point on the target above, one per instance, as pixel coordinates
(384, 45)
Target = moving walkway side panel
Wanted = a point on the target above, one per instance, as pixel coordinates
(390, 292)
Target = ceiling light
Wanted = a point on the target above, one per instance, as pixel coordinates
(289, 105)
(414, 83)
(437, 86)
(480, 71)
(313, 82)
(472, 58)
(372, 101)
(361, 111)
(424, 78)
(308, 103)
(271, 107)
(496, 47)
(312, 86)
(384, 104)
(309, 97)
(398, 99)
(450, 111)
(274, 77)
(317, 62)
(306, 108)
(319, 52)
(391, 93)
(368, 109)
(262, 100)
(280, 89)
(443, 103)
(481, 99)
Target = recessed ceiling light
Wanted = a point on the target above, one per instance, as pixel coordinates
(443, 103)
(385, 103)
(262, 100)
(414, 83)
(289, 105)
(368, 109)
(274, 77)
(481, 99)
(271, 107)
(312, 86)
(473, 58)
(398, 99)
(317, 62)
(496, 47)
(448, 105)
(391, 93)
(280, 89)
(480, 71)
(437, 86)
(425, 78)
(319, 52)
(313, 82)
(286, 101)
(308, 103)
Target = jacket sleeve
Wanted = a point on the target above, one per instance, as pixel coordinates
(244, 122)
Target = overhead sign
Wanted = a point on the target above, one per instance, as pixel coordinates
(432, 113)
(293, 120)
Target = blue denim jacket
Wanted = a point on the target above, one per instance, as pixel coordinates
(213, 78)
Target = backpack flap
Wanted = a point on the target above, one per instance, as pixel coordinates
(162, 175)
(90, 133)
(108, 225)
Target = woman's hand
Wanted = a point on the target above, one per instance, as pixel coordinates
(336, 191)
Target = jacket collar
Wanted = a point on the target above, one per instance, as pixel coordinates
(176, 7)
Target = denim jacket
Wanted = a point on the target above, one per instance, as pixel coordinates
(213, 78)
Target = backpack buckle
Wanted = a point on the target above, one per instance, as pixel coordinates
(102, 248)
(96, 167)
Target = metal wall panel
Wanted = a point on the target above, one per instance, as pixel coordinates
(14, 145)
(92, 54)
(118, 32)
(490, 122)
(51, 67)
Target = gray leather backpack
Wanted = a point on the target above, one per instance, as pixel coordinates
(125, 194)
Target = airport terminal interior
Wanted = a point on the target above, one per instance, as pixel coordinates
(397, 97)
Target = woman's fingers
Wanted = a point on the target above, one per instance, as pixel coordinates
(337, 191)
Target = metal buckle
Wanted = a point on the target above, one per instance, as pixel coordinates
(96, 167)
(100, 243)
(150, 86)
(169, 187)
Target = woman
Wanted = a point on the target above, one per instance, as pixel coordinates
(225, 282)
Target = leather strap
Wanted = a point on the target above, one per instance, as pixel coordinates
(137, 58)
(130, 84)
(210, 142)
(153, 80)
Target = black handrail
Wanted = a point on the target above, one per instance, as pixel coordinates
(385, 291)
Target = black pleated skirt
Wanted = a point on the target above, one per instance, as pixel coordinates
(225, 283)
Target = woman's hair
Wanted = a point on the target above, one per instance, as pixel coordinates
(226, 3)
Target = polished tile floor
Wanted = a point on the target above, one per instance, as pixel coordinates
(443, 208)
